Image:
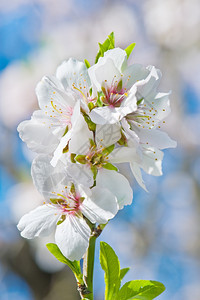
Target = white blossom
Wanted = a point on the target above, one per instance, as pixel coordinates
(65, 205)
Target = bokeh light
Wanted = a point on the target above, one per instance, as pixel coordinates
(159, 234)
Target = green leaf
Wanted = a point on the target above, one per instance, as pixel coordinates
(139, 101)
(91, 125)
(74, 265)
(54, 200)
(110, 264)
(90, 105)
(109, 149)
(66, 149)
(94, 171)
(87, 63)
(141, 290)
(109, 166)
(129, 49)
(81, 159)
(66, 130)
(119, 86)
(123, 272)
(73, 157)
(99, 102)
(112, 40)
(61, 220)
(108, 44)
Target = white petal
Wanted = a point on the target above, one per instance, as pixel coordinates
(160, 104)
(37, 135)
(124, 154)
(39, 222)
(134, 73)
(46, 178)
(73, 131)
(72, 237)
(118, 56)
(107, 115)
(72, 72)
(147, 88)
(79, 143)
(155, 138)
(50, 88)
(152, 161)
(80, 173)
(101, 206)
(104, 73)
(107, 134)
(130, 134)
(130, 101)
(138, 175)
(59, 150)
(116, 184)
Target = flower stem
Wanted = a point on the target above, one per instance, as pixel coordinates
(88, 267)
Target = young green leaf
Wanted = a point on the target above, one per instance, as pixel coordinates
(129, 49)
(66, 130)
(81, 159)
(108, 44)
(110, 264)
(74, 265)
(141, 289)
(109, 166)
(112, 40)
(123, 272)
(87, 63)
(91, 125)
(108, 150)
(73, 155)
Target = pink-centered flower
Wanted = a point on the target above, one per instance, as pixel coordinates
(115, 82)
(61, 99)
(66, 202)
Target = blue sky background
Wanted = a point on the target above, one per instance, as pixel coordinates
(158, 235)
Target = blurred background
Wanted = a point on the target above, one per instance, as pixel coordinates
(158, 236)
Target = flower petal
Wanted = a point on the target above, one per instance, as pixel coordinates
(107, 134)
(118, 56)
(152, 161)
(37, 135)
(134, 73)
(39, 222)
(104, 73)
(50, 88)
(80, 173)
(72, 237)
(46, 178)
(79, 143)
(155, 138)
(59, 150)
(147, 88)
(124, 154)
(116, 184)
(137, 174)
(101, 206)
(65, 139)
(72, 72)
(108, 115)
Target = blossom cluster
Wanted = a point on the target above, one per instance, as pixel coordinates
(91, 119)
